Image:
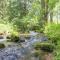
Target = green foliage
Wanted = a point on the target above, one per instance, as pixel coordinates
(2, 45)
(24, 14)
(52, 3)
(3, 8)
(53, 33)
(13, 37)
(5, 27)
(10, 31)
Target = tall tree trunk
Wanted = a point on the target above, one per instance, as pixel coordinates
(24, 8)
(51, 17)
(44, 7)
(44, 13)
(46, 10)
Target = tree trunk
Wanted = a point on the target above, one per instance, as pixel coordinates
(44, 7)
(51, 17)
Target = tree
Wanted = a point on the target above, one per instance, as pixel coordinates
(52, 5)
(44, 8)
(17, 9)
(3, 8)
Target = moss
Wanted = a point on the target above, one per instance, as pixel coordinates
(37, 45)
(36, 53)
(2, 45)
(8, 37)
(14, 38)
(46, 47)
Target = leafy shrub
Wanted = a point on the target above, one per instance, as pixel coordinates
(5, 27)
(2, 45)
(53, 32)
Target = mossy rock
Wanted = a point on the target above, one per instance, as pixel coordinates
(27, 37)
(46, 47)
(14, 38)
(37, 46)
(8, 37)
(2, 45)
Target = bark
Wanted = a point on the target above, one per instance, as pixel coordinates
(44, 6)
(51, 17)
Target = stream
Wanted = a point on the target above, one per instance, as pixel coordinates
(24, 52)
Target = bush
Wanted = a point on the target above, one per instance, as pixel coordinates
(46, 47)
(2, 45)
(53, 33)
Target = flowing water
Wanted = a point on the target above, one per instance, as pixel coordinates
(21, 53)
